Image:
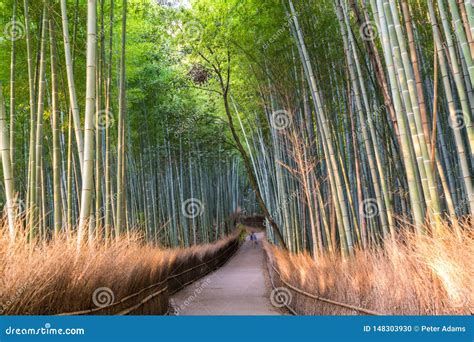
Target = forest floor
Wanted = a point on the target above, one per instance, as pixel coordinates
(237, 288)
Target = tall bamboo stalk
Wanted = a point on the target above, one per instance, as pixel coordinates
(13, 87)
(121, 123)
(87, 170)
(73, 102)
(7, 168)
(56, 132)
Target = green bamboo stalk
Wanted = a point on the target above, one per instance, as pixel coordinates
(32, 102)
(415, 117)
(458, 79)
(73, 102)
(121, 122)
(7, 168)
(462, 153)
(56, 132)
(38, 141)
(410, 166)
(87, 170)
(335, 179)
(13, 88)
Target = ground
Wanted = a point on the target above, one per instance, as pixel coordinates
(237, 288)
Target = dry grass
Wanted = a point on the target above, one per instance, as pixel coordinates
(410, 276)
(53, 277)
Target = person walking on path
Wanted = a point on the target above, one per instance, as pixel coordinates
(253, 238)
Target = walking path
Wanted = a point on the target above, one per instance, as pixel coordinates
(237, 288)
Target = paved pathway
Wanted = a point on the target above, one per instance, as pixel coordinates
(237, 288)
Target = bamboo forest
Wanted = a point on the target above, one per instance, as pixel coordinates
(149, 144)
